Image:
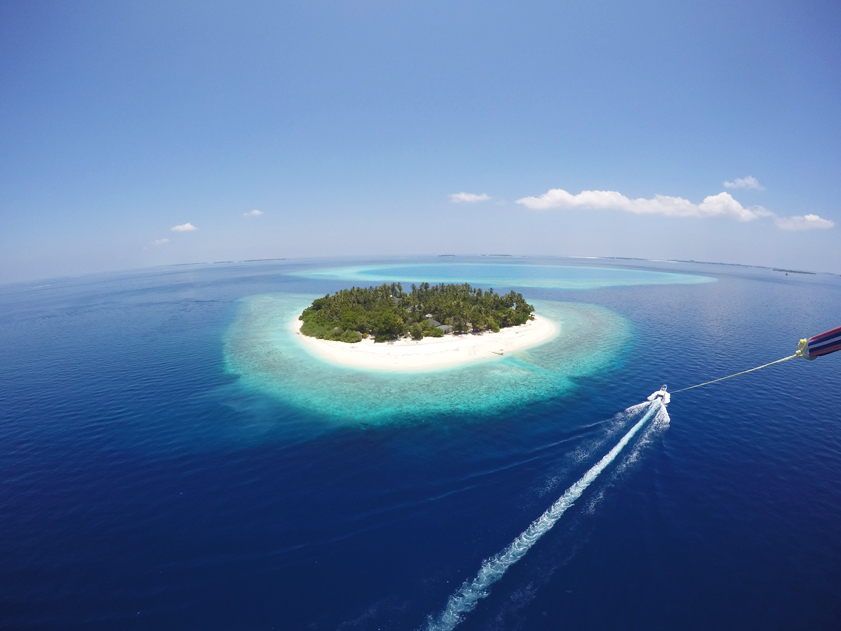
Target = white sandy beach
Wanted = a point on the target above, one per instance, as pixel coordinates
(430, 353)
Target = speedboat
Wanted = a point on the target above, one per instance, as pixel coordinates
(661, 394)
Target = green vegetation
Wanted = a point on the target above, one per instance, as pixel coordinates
(387, 312)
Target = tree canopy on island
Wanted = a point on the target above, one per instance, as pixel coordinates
(387, 312)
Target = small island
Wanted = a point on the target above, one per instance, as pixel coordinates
(387, 313)
(433, 327)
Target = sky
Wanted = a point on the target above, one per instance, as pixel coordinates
(151, 133)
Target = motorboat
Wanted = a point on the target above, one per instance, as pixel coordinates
(661, 394)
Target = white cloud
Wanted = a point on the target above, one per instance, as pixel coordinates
(469, 197)
(160, 241)
(721, 205)
(253, 213)
(804, 222)
(745, 182)
(184, 227)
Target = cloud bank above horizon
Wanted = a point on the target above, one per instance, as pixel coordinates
(720, 205)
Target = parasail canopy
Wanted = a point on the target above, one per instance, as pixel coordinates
(821, 344)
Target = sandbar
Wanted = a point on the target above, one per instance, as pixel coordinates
(430, 353)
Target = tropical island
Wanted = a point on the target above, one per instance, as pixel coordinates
(387, 313)
(432, 327)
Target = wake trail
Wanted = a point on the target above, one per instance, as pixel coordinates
(471, 592)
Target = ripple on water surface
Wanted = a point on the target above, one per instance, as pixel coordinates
(261, 349)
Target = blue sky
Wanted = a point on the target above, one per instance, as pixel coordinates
(350, 126)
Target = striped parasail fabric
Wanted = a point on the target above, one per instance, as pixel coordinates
(825, 343)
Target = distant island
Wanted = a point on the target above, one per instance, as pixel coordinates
(388, 313)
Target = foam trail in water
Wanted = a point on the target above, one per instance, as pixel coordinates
(471, 592)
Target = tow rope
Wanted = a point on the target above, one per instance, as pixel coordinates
(815, 346)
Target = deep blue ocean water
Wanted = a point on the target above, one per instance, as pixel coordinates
(144, 485)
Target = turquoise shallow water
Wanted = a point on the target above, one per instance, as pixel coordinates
(261, 349)
(519, 275)
(262, 352)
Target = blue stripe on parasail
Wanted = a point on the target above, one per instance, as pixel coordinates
(825, 343)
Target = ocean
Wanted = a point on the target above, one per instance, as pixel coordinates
(170, 459)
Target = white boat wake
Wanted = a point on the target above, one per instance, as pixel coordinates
(471, 592)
